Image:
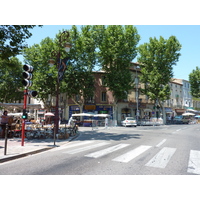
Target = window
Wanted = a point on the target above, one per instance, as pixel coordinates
(103, 96)
(90, 99)
(103, 80)
(77, 97)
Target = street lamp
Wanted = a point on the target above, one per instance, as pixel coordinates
(61, 65)
(137, 94)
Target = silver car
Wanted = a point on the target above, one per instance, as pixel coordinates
(129, 121)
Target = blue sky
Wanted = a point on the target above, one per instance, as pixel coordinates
(188, 36)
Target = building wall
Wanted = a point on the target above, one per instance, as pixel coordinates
(96, 104)
(186, 94)
(179, 101)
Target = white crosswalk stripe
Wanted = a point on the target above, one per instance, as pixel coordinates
(87, 148)
(161, 143)
(161, 159)
(132, 154)
(194, 162)
(106, 151)
(68, 146)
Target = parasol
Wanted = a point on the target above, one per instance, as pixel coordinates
(49, 114)
(188, 114)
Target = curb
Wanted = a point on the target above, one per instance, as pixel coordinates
(24, 155)
(2, 160)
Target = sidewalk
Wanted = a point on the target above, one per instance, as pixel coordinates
(15, 150)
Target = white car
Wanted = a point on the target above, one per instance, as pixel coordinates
(129, 121)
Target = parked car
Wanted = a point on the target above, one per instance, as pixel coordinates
(182, 119)
(178, 119)
(129, 121)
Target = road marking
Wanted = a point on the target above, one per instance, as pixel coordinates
(87, 148)
(103, 152)
(161, 143)
(132, 154)
(77, 144)
(67, 146)
(194, 162)
(161, 159)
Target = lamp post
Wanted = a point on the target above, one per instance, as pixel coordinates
(61, 65)
(137, 94)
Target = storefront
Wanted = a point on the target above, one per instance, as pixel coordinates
(179, 111)
(125, 112)
(169, 112)
(147, 113)
(96, 109)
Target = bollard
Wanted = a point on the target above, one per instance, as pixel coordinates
(6, 137)
(65, 131)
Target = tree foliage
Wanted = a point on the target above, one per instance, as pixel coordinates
(10, 80)
(12, 38)
(44, 77)
(194, 79)
(157, 59)
(77, 79)
(117, 48)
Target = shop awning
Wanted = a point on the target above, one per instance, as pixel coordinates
(168, 110)
(192, 110)
(147, 110)
(82, 114)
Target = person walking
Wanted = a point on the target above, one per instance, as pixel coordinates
(4, 121)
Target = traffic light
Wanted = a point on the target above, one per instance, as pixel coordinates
(27, 74)
(25, 114)
(32, 93)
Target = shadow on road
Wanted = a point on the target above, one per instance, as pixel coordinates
(94, 135)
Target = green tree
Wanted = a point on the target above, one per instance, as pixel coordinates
(77, 79)
(157, 59)
(12, 38)
(44, 76)
(194, 79)
(10, 80)
(117, 48)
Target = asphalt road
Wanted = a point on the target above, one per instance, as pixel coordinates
(159, 150)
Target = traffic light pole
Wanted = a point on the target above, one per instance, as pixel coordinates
(23, 120)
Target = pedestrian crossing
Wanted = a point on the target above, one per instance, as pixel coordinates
(160, 160)
(132, 154)
(81, 149)
(106, 151)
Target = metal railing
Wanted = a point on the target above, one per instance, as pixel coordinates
(150, 122)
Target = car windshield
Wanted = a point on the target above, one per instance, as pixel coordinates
(130, 118)
(178, 117)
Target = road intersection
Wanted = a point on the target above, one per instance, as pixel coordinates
(162, 150)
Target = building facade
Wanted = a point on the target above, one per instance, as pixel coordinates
(102, 101)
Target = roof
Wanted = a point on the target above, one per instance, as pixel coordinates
(20, 105)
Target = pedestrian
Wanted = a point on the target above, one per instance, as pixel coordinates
(4, 121)
(106, 122)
